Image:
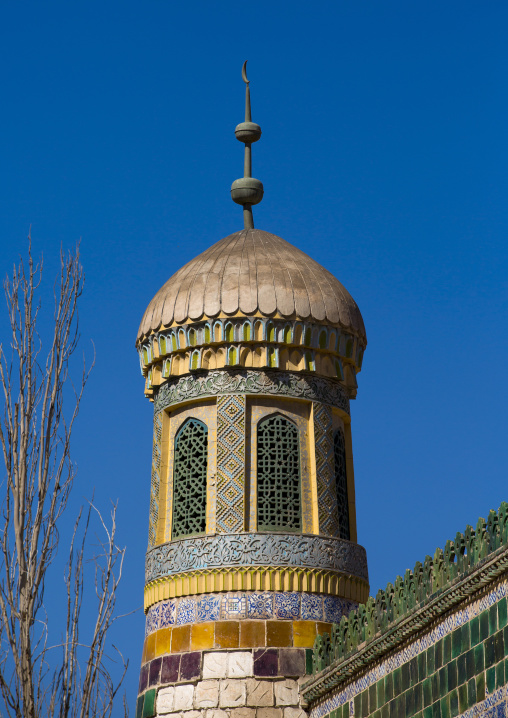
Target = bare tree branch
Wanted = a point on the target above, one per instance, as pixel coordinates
(71, 678)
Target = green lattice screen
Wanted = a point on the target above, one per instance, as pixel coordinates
(189, 479)
(278, 473)
(339, 451)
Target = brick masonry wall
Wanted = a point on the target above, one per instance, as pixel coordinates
(459, 668)
(260, 683)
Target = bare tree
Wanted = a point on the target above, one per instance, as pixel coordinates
(41, 674)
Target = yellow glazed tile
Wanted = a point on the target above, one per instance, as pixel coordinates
(304, 634)
(150, 647)
(252, 634)
(180, 639)
(202, 636)
(162, 641)
(279, 633)
(227, 634)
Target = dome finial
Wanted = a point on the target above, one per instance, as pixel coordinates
(247, 191)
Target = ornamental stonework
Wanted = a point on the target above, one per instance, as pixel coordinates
(245, 381)
(256, 549)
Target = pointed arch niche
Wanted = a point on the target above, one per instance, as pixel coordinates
(205, 413)
(296, 414)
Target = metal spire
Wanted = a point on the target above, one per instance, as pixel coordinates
(247, 191)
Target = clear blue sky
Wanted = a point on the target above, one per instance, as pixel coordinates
(384, 156)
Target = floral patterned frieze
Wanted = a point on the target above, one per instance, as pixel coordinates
(256, 549)
(283, 605)
(247, 381)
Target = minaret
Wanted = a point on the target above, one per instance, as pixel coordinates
(250, 354)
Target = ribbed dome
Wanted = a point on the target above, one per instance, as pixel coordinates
(252, 271)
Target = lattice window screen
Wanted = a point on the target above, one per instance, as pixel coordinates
(189, 479)
(339, 450)
(278, 475)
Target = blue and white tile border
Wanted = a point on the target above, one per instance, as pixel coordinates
(406, 654)
(281, 605)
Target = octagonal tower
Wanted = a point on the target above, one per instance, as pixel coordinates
(250, 354)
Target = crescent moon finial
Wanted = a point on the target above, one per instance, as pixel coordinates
(244, 73)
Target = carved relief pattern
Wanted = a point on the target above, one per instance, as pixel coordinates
(339, 449)
(247, 381)
(230, 463)
(256, 549)
(327, 495)
(154, 488)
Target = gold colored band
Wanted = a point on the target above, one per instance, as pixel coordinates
(257, 579)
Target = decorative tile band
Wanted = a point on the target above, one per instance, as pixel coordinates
(154, 488)
(197, 665)
(266, 635)
(257, 579)
(230, 463)
(251, 332)
(443, 628)
(325, 470)
(248, 381)
(259, 605)
(256, 549)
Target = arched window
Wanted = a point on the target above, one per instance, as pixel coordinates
(278, 474)
(189, 479)
(339, 451)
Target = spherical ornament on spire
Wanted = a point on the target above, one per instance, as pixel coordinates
(248, 132)
(247, 190)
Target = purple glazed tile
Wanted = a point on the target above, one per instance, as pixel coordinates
(170, 668)
(292, 662)
(155, 669)
(266, 662)
(143, 678)
(190, 667)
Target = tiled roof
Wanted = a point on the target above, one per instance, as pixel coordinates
(252, 271)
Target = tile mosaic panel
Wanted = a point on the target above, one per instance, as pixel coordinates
(248, 381)
(255, 605)
(186, 611)
(208, 608)
(167, 614)
(230, 463)
(260, 605)
(400, 658)
(325, 473)
(287, 605)
(233, 605)
(256, 549)
(152, 619)
(155, 483)
(312, 607)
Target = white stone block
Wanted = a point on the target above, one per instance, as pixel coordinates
(269, 713)
(240, 664)
(295, 713)
(215, 665)
(191, 714)
(259, 693)
(243, 712)
(206, 694)
(216, 714)
(184, 697)
(233, 693)
(166, 700)
(286, 693)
